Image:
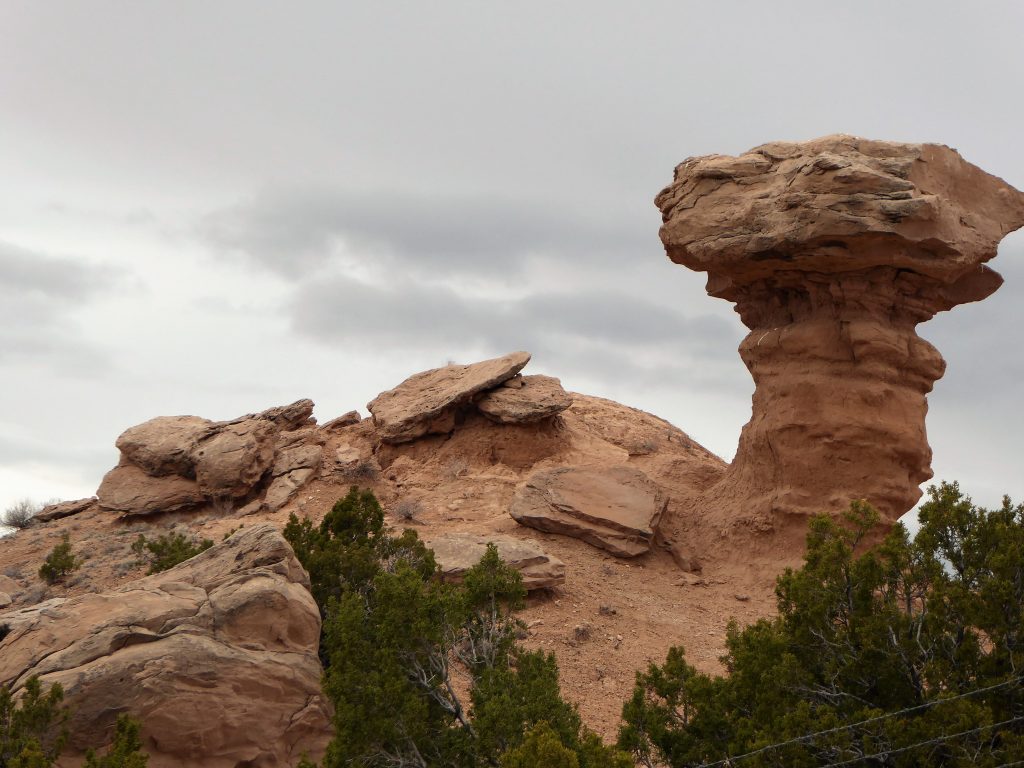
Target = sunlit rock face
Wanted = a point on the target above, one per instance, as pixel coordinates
(833, 250)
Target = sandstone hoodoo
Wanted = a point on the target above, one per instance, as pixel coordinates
(172, 463)
(615, 508)
(217, 657)
(833, 250)
(456, 553)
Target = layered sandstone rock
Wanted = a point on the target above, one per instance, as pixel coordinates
(177, 462)
(428, 402)
(456, 553)
(616, 508)
(833, 250)
(62, 509)
(524, 399)
(217, 658)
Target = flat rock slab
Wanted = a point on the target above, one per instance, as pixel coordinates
(615, 508)
(524, 399)
(63, 509)
(425, 403)
(456, 553)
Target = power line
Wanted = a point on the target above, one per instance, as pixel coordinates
(937, 740)
(877, 718)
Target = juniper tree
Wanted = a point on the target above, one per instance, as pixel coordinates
(930, 628)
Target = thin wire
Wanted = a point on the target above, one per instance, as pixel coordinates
(937, 740)
(877, 718)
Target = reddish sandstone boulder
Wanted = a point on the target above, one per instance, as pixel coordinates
(217, 658)
(426, 403)
(524, 399)
(615, 508)
(456, 553)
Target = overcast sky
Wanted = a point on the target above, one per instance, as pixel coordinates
(214, 208)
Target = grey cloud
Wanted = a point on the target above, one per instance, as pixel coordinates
(601, 334)
(38, 294)
(293, 231)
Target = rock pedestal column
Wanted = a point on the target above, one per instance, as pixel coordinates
(833, 251)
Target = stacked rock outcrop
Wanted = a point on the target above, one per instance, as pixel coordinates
(178, 462)
(431, 402)
(217, 658)
(833, 250)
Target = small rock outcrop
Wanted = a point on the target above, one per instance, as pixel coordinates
(524, 399)
(833, 250)
(427, 402)
(616, 508)
(216, 657)
(172, 463)
(456, 553)
(62, 509)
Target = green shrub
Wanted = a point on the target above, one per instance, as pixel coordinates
(59, 563)
(908, 654)
(398, 643)
(32, 731)
(168, 550)
(540, 749)
(125, 751)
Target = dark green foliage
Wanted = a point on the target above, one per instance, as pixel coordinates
(542, 748)
(859, 635)
(32, 730)
(59, 563)
(125, 751)
(169, 550)
(399, 645)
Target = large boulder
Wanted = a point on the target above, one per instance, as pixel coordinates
(217, 658)
(129, 490)
(427, 402)
(234, 459)
(616, 508)
(833, 250)
(524, 399)
(176, 462)
(456, 553)
(164, 445)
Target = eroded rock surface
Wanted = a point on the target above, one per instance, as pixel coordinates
(176, 462)
(217, 658)
(615, 508)
(456, 553)
(833, 251)
(524, 399)
(63, 509)
(427, 402)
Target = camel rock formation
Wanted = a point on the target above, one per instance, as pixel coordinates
(833, 250)
(217, 657)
